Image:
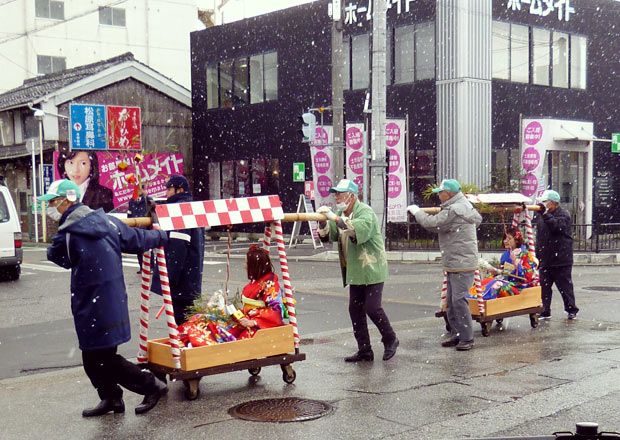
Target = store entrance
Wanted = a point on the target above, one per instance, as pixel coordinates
(567, 175)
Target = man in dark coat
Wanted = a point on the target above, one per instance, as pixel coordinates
(184, 255)
(554, 249)
(90, 244)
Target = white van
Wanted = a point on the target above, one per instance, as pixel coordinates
(11, 252)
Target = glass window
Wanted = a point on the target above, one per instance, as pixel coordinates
(226, 83)
(273, 177)
(560, 59)
(6, 128)
(346, 70)
(404, 54)
(578, 61)
(360, 61)
(259, 178)
(49, 9)
(541, 56)
(4, 210)
(271, 76)
(214, 181)
(256, 79)
(31, 126)
(501, 50)
(240, 92)
(425, 51)
(243, 186)
(112, 16)
(228, 179)
(212, 86)
(48, 64)
(519, 53)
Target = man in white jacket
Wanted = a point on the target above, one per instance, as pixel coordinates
(456, 225)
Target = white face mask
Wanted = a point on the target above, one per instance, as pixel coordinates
(342, 206)
(53, 213)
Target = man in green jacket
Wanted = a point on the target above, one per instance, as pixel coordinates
(364, 267)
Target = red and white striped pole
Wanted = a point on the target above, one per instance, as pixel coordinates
(173, 334)
(444, 293)
(267, 238)
(144, 306)
(286, 279)
(479, 295)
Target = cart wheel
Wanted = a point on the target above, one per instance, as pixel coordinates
(534, 320)
(254, 371)
(192, 390)
(288, 374)
(500, 322)
(486, 328)
(448, 328)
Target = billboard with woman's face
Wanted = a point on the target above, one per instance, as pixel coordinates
(104, 177)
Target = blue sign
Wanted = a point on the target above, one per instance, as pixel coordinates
(88, 127)
(48, 176)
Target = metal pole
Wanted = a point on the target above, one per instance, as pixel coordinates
(34, 192)
(337, 93)
(41, 184)
(377, 141)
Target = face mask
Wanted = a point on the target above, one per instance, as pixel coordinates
(53, 213)
(342, 206)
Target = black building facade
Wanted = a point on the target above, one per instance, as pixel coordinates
(252, 79)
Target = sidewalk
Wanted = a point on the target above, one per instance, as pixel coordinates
(518, 381)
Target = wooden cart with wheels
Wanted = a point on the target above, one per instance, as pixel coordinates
(529, 301)
(272, 346)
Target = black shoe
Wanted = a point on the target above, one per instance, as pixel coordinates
(452, 342)
(104, 407)
(361, 356)
(139, 272)
(465, 345)
(390, 350)
(150, 400)
(572, 316)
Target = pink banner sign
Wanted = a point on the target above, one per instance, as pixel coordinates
(356, 162)
(530, 159)
(529, 185)
(104, 178)
(392, 134)
(533, 133)
(355, 138)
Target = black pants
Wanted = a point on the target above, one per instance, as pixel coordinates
(366, 300)
(107, 370)
(180, 306)
(562, 278)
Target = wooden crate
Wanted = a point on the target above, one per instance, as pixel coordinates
(528, 298)
(266, 342)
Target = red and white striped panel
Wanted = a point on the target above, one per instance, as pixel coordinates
(222, 212)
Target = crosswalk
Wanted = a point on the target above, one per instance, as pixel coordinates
(129, 261)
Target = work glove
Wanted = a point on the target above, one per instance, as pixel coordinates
(413, 209)
(327, 212)
(542, 207)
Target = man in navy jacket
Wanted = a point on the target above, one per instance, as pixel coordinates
(90, 244)
(554, 249)
(184, 255)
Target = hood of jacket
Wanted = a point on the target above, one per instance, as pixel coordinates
(462, 210)
(80, 219)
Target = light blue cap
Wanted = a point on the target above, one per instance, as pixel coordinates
(549, 194)
(451, 185)
(345, 185)
(62, 188)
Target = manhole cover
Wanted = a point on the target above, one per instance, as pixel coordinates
(287, 409)
(603, 288)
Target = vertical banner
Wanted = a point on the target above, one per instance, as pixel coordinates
(321, 153)
(88, 127)
(397, 186)
(535, 136)
(355, 142)
(124, 131)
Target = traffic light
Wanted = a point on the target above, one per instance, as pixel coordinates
(308, 127)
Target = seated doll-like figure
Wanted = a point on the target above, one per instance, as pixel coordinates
(262, 307)
(516, 269)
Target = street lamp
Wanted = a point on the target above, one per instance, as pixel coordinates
(31, 148)
(39, 115)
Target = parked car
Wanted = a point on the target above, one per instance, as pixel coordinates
(11, 252)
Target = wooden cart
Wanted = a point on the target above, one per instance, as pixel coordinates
(529, 301)
(273, 346)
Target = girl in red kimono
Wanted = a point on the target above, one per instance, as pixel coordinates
(262, 301)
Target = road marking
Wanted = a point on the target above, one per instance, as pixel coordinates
(44, 268)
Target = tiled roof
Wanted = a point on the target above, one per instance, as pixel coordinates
(40, 86)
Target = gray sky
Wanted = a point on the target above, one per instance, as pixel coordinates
(239, 9)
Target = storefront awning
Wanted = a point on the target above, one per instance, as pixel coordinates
(20, 150)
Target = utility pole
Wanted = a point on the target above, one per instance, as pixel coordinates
(337, 92)
(377, 138)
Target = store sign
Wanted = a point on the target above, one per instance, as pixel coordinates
(124, 128)
(88, 127)
(543, 8)
(615, 142)
(362, 11)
